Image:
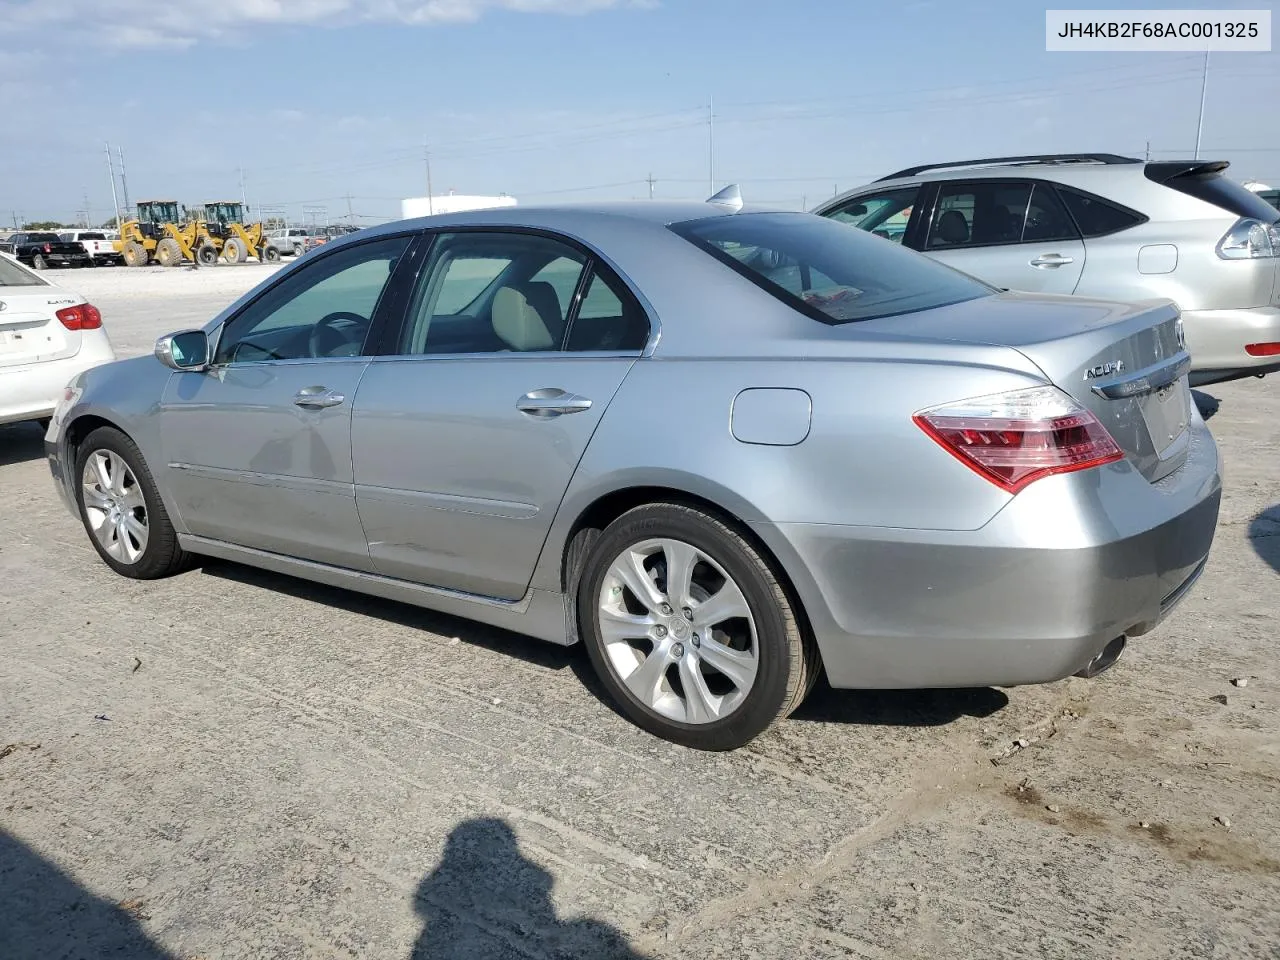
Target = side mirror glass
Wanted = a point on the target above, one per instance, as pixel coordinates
(188, 350)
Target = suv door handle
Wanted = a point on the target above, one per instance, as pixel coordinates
(316, 398)
(551, 402)
(1051, 260)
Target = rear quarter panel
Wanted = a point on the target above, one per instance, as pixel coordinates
(863, 461)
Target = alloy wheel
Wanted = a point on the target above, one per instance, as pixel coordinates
(114, 506)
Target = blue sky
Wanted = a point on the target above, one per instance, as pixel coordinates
(543, 99)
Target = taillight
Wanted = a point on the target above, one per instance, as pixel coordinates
(48, 249)
(1250, 239)
(1016, 438)
(85, 316)
(1262, 349)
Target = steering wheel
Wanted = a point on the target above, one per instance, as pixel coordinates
(338, 334)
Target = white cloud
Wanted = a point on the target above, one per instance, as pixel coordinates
(145, 24)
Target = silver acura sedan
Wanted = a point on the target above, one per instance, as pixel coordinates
(726, 449)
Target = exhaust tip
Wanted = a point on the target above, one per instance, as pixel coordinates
(1105, 660)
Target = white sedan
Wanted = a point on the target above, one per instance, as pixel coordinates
(47, 335)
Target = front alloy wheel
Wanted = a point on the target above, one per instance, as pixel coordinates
(114, 508)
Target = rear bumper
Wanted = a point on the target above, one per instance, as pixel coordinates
(1216, 340)
(1069, 565)
(31, 391)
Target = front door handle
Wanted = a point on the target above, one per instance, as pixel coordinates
(316, 398)
(1051, 260)
(551, 402)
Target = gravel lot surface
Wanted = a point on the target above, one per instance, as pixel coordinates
(235, 764)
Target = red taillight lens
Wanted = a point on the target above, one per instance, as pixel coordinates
(1263, 349)
(48, 249)
(82, 317)
(1014, 439)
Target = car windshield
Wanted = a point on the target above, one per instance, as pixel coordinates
(829, 270)
(12, 275)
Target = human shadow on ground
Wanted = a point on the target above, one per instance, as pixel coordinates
(1264, 535)
(44, 913)
(20, 443)
(487, 901)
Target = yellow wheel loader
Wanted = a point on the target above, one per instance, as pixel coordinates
(237, 241)
(156, 235)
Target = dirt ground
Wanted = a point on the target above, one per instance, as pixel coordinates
(231, 764)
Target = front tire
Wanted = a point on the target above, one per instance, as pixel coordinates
(689, 629)
(121, 509)
(233, 251)
(135, 254)
(168, 253)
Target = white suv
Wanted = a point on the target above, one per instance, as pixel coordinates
(1105, 226)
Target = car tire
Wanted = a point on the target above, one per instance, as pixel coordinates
(123, 488)
(38, 262)
(233, 251)
(648, 673)
(299, 249)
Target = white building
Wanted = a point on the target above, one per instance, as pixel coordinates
(451, 203)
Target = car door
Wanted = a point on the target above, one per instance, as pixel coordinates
(1011, 233)
(465, 438)
(257, 448)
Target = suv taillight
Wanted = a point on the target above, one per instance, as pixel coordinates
(1250, 239)
(1015, 438)
(82, 317)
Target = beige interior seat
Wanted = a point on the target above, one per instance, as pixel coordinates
(527, 316)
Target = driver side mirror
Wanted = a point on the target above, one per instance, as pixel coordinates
(187, 350)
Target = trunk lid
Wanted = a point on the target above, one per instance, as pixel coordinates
(30, 331)
(1125, 362)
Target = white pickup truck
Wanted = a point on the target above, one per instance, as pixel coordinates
(100, 248)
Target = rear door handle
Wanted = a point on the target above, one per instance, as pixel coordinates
(1051, 260)
(551, 402)
(316, 398)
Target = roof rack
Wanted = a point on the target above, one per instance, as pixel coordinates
(1031, 158)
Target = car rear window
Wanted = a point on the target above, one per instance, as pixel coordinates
(828, 270)
(42, 238)
(12, 275)
(1211, 186)
(92, 236)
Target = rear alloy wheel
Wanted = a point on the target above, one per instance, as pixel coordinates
(233, 251)
(689, 629)
(121, 510)
(39, 262)
(168, 253)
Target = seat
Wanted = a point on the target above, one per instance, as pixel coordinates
(952, 228)
(527, 316)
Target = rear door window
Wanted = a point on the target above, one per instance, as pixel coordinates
(1047, 219)
(979, 213)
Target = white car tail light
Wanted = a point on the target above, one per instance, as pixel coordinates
(1250, 239)
(1013, 439)
(82, 317)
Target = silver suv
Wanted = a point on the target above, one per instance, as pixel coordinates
(1100, 225)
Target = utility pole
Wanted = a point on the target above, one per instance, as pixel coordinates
(711, 146)
(124, 182)
(243, 202)
(87, 218)
(1148, 151)
(426, 157)
(115, 202)
(1204, 85)
(351, 219)
(14, 214)
(651, 182)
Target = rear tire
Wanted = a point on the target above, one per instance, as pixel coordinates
(768, 663)
(233, 251)
(168, 253)
(207, 255)
(39, 263)
(125, 518)
(270, 255)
